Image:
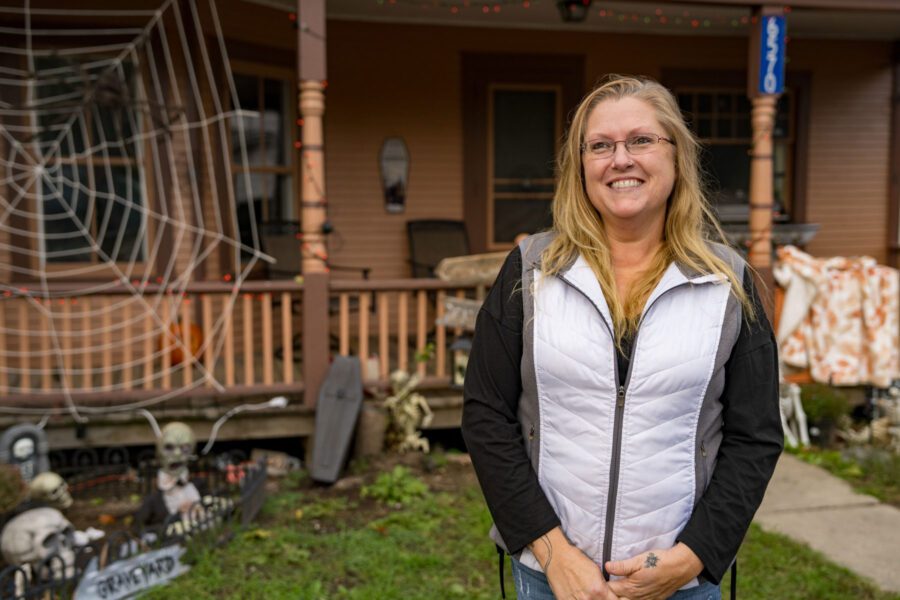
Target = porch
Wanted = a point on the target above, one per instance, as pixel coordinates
(195, 353)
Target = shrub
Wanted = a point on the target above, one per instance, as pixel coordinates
(823, 403)
(12, 487)
(398, 486)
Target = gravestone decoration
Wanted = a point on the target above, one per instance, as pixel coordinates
(25, 447)
(394, 162)
(340, 399)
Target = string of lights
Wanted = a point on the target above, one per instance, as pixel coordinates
(666, 16)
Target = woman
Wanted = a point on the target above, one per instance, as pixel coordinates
(621, 401)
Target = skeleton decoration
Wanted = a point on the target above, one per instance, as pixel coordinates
(25, 447)
(202, 515)
(409, 411)
(50, 489)
(175, 493)
(793, 418)
(175, 448)
(32, 537)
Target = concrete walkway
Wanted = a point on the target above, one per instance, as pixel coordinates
(811, 506)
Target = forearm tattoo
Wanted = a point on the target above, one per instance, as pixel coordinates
(651, 561)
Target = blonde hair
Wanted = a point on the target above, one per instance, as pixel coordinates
(690, 225)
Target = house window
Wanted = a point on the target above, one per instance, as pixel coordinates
(525, 126)
(720, 117)
(267, 186)
(91, 190)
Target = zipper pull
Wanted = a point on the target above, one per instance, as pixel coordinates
(531, 433)
(702, 449)
(620, 396)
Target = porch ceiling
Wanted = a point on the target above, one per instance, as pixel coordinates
(661, 17)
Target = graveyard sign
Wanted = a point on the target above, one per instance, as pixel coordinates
(125, 578)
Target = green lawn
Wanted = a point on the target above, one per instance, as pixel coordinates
(313, 543)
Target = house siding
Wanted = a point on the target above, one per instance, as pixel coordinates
(411, 88)
(849, 146)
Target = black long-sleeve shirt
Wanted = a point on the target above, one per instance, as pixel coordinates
(752, 435)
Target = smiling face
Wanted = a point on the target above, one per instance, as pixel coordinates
(628, 191)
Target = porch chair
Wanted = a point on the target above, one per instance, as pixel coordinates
(279, 240)
(431, 240)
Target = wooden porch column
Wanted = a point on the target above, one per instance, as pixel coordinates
(761, 185)
(894, 162)
(764, 86)
(311, 70)
(312, 172)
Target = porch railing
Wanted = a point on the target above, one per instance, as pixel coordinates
(112, 344)
(388, 323)
(209, 340)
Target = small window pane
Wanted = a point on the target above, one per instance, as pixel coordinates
(724, 103)
(512, 217)
(249, 123)
(275, 122)
(119, 217)
(281, 200)
(524, 134)
(704, 103)
(742, 129)
(112, 133)
(249, 209)
(729, 169)
(704, 128)
(64, 207)
(724, 128)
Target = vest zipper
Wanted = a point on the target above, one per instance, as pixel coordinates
(617, 421)
(614, 472)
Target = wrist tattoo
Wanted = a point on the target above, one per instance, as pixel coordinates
(651, 561)
(546, 541)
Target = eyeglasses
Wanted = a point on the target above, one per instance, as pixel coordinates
(636, 144)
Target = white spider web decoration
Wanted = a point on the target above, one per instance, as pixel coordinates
(118, 132)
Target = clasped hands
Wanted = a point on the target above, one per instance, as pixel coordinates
(652, 575)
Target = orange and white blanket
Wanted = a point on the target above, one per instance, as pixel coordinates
(840, 319)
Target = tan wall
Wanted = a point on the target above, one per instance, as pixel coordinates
(404, 80)
(848, 146)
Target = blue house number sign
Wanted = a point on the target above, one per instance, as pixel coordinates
(771, 69)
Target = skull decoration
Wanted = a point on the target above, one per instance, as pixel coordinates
(175, 448)
(49, 488)
(23, 449)
(37, 534)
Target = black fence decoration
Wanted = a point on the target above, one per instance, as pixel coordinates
(238, 494)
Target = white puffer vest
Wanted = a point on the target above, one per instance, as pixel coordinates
(617, 454)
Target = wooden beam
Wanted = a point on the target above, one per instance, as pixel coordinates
(848, 5)
(311, 39)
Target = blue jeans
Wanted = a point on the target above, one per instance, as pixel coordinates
(533, 585)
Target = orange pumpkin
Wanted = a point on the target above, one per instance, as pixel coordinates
(179, 331)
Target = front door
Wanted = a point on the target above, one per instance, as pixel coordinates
(514, 109)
